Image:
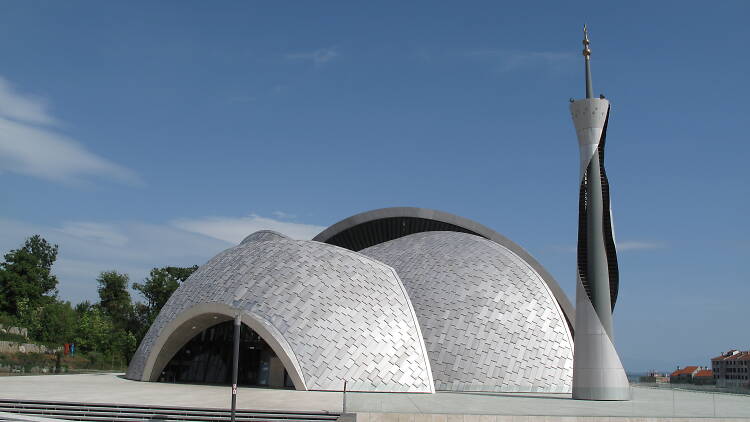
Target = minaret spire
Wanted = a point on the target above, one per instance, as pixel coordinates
(587, 58)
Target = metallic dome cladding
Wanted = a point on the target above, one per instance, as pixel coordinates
(330, 314)
(489, 320)
(264, 235)
(370, 228)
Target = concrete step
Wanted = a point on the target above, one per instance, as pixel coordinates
(120, 412)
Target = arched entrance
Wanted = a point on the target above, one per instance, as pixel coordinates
(195, 323)
(207, 358)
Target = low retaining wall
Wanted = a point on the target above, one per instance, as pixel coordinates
(14, 347)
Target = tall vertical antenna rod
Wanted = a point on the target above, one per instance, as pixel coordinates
(587, 56)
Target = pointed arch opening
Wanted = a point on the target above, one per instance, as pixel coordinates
(207, 359)
(196, 347)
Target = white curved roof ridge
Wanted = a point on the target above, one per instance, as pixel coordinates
(489, 320)
(264, 235)
(331, 313)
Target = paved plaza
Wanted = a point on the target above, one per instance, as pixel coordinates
(113, 388)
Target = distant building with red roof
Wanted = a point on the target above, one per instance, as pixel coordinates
(704, 377)
(732, 369)
(683, 375)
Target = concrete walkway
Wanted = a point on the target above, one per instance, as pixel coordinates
(111, 388)
(646, 402)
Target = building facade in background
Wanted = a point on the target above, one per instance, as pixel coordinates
(732, 369)
(684, 375)
(704, 376)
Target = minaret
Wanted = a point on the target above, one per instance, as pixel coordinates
(597, 370)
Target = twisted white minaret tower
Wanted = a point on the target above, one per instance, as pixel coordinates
(597, 370)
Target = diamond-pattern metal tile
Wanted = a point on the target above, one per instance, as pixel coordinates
(488, 319)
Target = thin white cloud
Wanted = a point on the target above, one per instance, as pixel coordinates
(24, 108)
(507, 60)
(26, 147)
(283, 215)
(90, 247)
(234, 229)
(635, 245)
(317, 57)
(104, 233)
(82, 271)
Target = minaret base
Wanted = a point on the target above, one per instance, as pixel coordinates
(602, 394)
(597, 371)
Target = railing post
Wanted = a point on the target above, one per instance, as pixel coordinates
(343, 406)
(714, 400)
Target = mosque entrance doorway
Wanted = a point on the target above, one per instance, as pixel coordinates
(207, 359)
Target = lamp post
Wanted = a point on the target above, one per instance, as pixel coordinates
(235, 360)
(238, 295)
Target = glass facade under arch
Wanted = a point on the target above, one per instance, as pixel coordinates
(207, 359)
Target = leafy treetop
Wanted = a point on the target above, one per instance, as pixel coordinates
(26, 279)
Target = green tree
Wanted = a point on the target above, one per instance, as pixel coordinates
(160, 284)
(56, 323)
(140, 322)
(123, 344)
(26, 279)
(98, 336)
(156, 289)
(94, 331)
(83, 307)
(114, 297)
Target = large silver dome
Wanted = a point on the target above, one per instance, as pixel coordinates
(489, 321)
(386, 300)
(328, 313)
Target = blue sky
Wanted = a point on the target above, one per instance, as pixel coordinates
(142, 134)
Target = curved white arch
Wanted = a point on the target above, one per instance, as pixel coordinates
(193, 320)
(327, 312)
